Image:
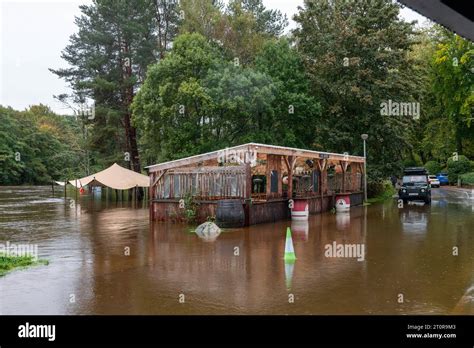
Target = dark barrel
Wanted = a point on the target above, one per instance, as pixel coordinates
(230, 213)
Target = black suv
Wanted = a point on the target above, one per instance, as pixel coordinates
(416, 186)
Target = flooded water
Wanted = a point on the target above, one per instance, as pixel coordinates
(106, 258)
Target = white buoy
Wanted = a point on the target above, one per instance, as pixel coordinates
(343, 203)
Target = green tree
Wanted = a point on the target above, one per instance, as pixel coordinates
(240, 28)
(297, 113)
(196, 101)
(453, 86)
(356, 54)
(172, 103)
(201, 16)
(270, 22)
(457, 166)
(433, 167)
(109, 56)
(37, 146)
(243, 105)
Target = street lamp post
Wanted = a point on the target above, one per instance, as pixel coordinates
(364, 138)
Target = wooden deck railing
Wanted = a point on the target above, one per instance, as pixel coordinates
(208, 183)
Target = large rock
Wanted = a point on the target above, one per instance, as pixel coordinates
(208, 231)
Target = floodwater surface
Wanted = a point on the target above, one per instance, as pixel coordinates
(107, 258)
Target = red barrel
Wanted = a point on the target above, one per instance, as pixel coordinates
(300, 210)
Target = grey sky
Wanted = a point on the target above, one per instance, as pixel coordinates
(32, 35)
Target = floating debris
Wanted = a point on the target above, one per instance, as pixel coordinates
(208, 231)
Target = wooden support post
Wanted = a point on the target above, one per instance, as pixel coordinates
(248, 193)
(65, 186)
(136, 196)
(52, 186)
(76, 190)
(290, 163)
(344, 165)
(290, 177)
(322, 165)
(360, 169)
(151, 191)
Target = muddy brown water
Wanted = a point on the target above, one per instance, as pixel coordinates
(171, 270)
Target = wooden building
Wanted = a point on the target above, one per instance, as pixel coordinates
(263, 177)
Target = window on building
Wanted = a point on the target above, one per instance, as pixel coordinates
(274, 181)
(315, 181)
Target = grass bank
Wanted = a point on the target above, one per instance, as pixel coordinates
(386, 193)
(467, 179)
(9, 263)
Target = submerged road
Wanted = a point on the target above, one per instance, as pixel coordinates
(105, 258)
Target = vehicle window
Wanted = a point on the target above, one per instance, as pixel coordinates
(414, 179)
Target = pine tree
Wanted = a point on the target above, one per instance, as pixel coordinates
(109, 56)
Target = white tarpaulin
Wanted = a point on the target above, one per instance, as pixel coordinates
(115, 177)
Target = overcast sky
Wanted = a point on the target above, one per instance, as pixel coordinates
(33, 33)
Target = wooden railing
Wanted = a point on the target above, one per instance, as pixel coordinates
(208, 183)
(352, 182)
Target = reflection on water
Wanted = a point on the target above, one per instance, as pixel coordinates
(300, 229)
(289, 268)
(414, 218)
(108, 256)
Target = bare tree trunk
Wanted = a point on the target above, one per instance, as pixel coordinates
(130, 131)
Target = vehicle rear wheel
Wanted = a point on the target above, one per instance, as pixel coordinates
(405, 201)
(428, 200)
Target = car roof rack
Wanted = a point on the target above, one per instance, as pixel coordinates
(415, 170)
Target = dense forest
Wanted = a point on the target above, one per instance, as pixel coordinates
(171, 79)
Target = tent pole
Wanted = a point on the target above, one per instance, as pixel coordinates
(134, 197)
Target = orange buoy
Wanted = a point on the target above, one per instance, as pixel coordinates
(81, 190)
